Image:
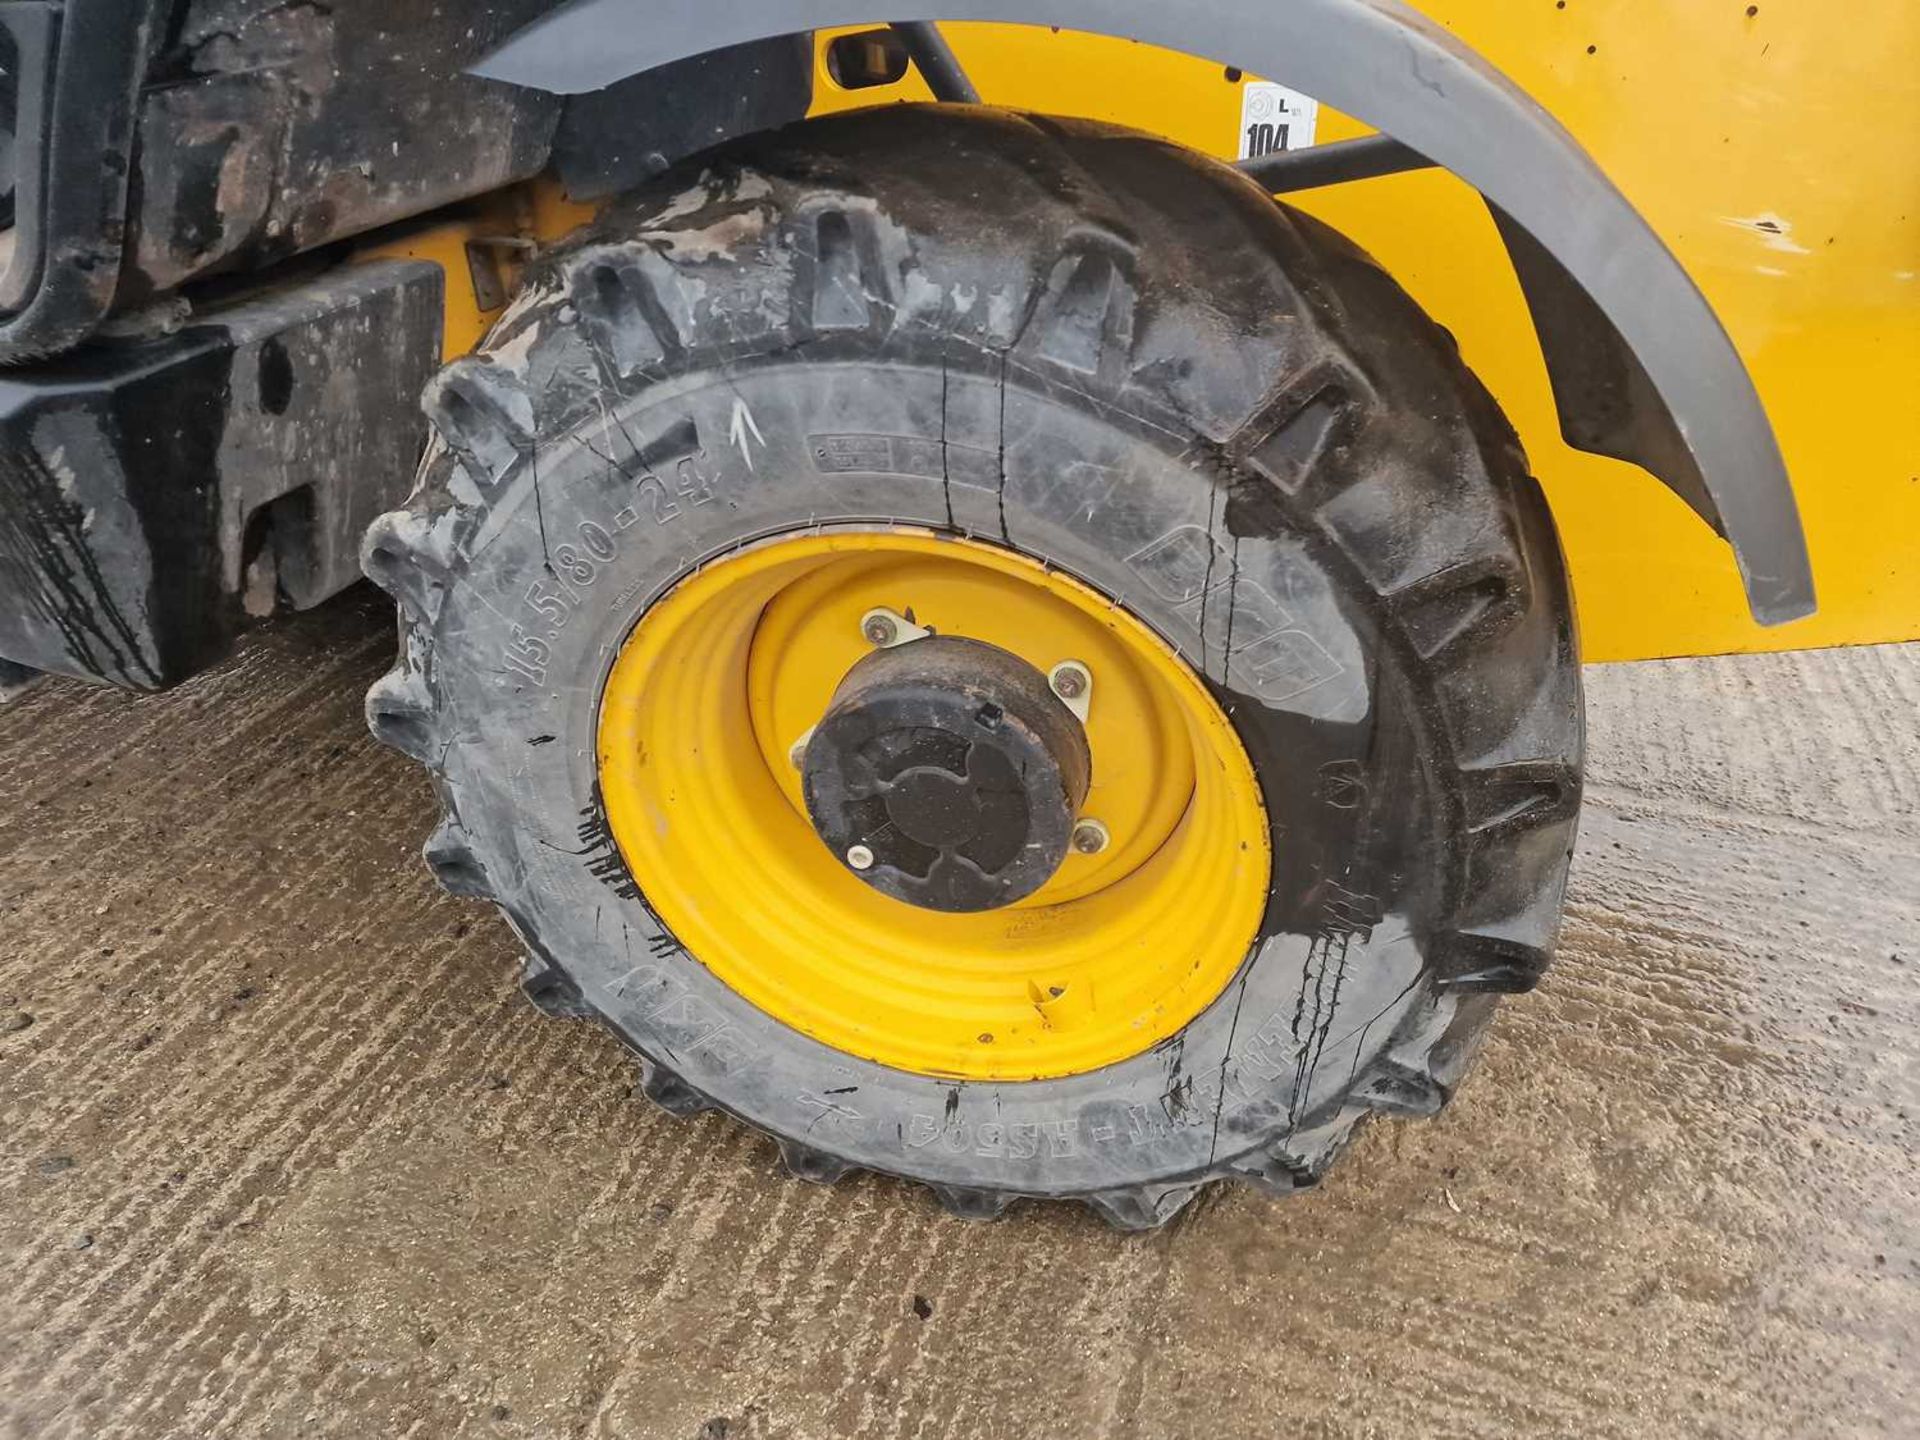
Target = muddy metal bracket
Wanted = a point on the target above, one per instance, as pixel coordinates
(1641, 368)
(157, 493)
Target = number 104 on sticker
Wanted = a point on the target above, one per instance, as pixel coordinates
(1274, 118)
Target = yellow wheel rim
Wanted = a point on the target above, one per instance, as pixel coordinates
(719, 679)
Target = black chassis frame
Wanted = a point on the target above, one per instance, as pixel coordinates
(200, 408)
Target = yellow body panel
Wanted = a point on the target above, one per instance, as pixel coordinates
(1776, 148)
(494, 232)
(464, 319)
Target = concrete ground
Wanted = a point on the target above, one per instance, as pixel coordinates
(282, 1152)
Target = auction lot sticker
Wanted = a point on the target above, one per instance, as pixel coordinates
(1274, 118)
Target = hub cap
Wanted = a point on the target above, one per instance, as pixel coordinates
(951, 770)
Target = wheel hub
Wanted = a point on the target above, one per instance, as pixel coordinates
(721, 731)
(947, 774)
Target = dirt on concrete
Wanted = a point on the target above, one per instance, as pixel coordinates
(283, 1152)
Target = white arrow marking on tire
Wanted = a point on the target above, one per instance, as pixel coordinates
(740, 427)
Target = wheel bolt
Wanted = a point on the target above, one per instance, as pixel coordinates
(1069, 679)
(879, 630)
(859, 857)
(1090, 837)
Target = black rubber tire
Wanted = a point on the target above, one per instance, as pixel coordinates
(1093, 347)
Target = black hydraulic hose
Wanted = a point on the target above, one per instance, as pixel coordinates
(936, 61)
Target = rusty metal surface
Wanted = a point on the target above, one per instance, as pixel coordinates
(282, 1151)
(270, 128)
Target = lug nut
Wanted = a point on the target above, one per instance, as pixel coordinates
(1090, 837)
(1070, 680)
(861, 858)
(883, 628)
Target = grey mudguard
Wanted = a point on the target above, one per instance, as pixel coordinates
(1657, 382)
